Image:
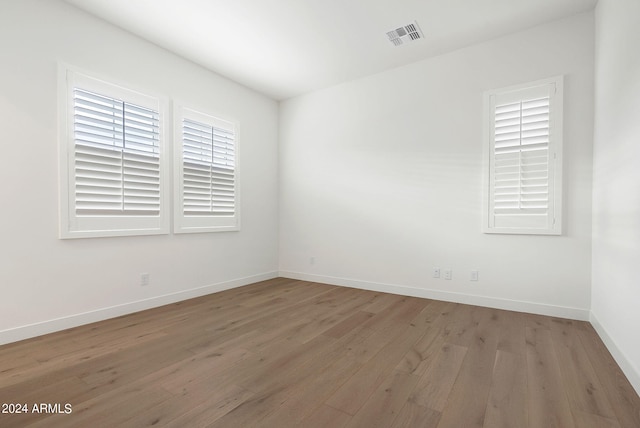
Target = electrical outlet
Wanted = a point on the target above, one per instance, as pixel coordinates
(144, 279)
(436, 272)
(474, 275)
(448, 274)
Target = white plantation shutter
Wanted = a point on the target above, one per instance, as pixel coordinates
(524, 157)
(117, 156)
(209, 169)
(113, 160)
(207, 180)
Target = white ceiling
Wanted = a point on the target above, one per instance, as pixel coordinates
(284, 48)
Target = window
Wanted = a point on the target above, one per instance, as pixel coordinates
(113, 176)
(206, 178)
(523, 159)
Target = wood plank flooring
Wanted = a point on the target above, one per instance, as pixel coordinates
(286, 353)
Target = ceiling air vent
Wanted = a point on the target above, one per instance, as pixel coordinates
(405, 34)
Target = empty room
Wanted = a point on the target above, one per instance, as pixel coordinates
(339, 213)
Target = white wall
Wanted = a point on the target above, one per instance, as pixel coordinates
(48, 284)
(381, 178)
(616, 183)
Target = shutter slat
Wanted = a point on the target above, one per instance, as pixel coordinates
(99, 128)
(101, 109)
(97, 116)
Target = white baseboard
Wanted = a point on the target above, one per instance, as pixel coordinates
(628, 368)
(447, 296)
(50, 326)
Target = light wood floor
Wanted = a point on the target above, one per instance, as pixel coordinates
(285, 353)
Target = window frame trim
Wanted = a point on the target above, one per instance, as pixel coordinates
(206, 224)
(72, 226)
(555, 158)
